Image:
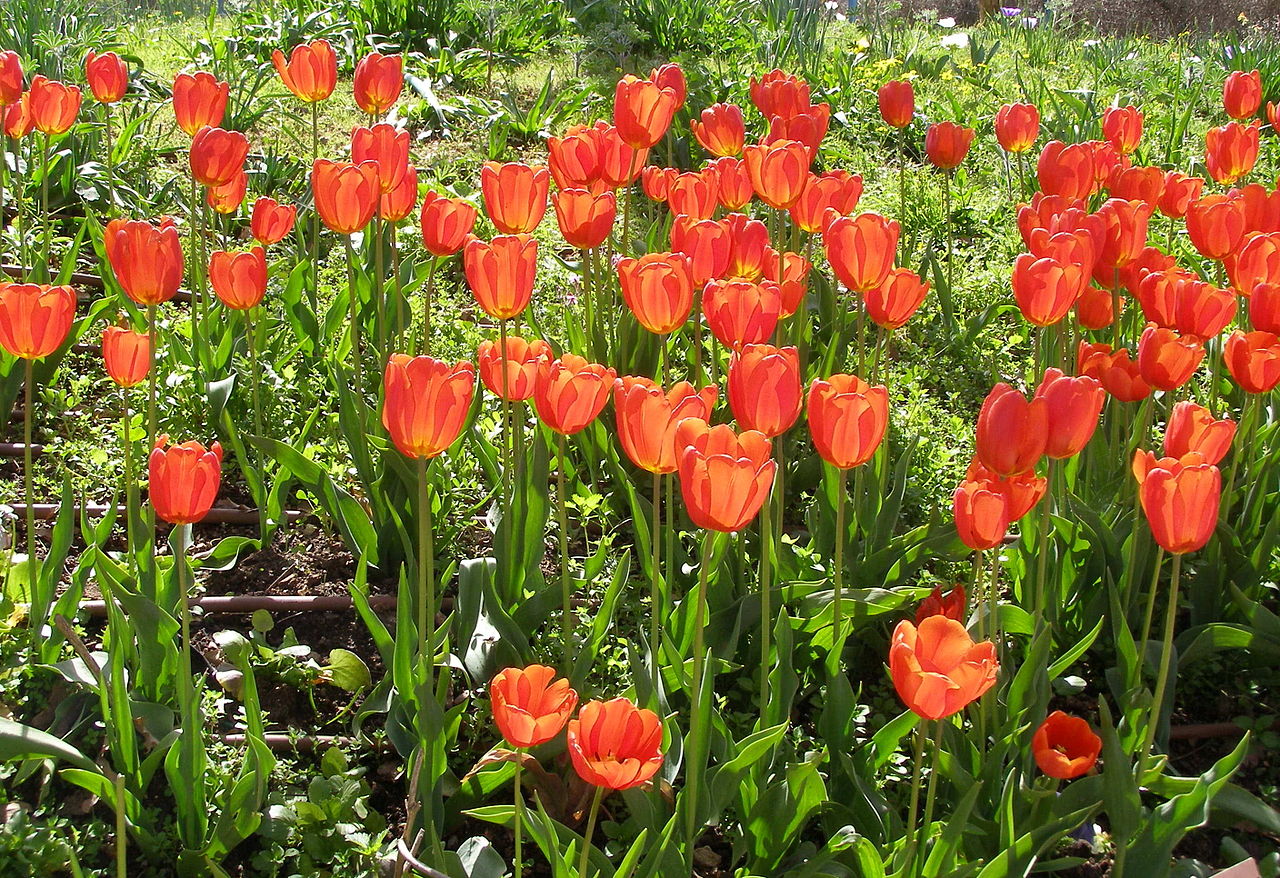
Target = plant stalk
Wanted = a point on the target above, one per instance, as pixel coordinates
(591, 831)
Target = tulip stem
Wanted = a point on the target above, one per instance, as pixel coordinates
(913, 809)
(1151, 609)
(111, 166)
(19, 186)
(397, 285)
(766, 610)
(591, 831)
(1040, 605)
(426, 305)
(354, 314)
(44, 206)
(152, 430)
(426, 565)
(122, 839)
(32, 579)
(587, 304)
(657, 608)
(518, 858)
(379, 288)
(696, 719)
(197, 251)
(931, 796)
(315, 214)
(4, 168)
(255, 365)
(902, 194)
(130, 480)
(946, 202)
(993, 597)
(1166, 655)
(562, 522)
(186, 690)
(837, 611)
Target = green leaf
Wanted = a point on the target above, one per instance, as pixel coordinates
(18, 741)
(348, 671)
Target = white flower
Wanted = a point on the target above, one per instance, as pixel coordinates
(959, 40)
(946, 22)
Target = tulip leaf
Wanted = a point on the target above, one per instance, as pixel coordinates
(18, 741)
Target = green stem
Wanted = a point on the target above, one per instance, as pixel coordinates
(587, 304)
(4, 169)
(44, 207)
(766, 610)
(931, 797)
(111, 166)
(397, 285)
(518, 864)
(1149, 616)
(591, 831)
(198, 270)
(426, 563)
(130, 480)
(122, 840)
(153, 429)
(946, 201)
(19, 187)
(315, 214)
(255, 365)
(426, 305)
(657, 609)
(837, 610)
(913, 808)
(902, 193)
(562, 522)
(1040, 605)
(27, 490)
(696, 718)
(354, 318)
(1166, 656)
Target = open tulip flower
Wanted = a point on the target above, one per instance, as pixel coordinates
(184, 479)
(937, 669)
(614, 744)
(1180, 497)
(1012, 431)
(658, 290)
(571, 392)
(311, 71)
(848, 419)
(11, 78)
(35, 318)
(1065, 747)
(720, 130)
(199, 101)
(427, 403)
(271, 221)
(1253, 359)
(764, 388)
(126, 355)
(1242, 94)
(1193, 428)
(725, 477)
(54, 105)
(648, 416)
(531, 706)
(522, 359)
(145, 258)
(642, 111)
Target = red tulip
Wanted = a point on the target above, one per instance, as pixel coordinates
(126, 354)
(271, 221)
(897, 101)
(1242, 94)
(1261, 207)
(740, 313)
(1045, 289)
(1258, 262)
(1144, 183)
(501, 273)
(1231, 151)
(1253, 359)
(707, 244)
(426, 403)
(620, 163)
(655, 181)
(694, 194)
(946, 144)
(671, 76)
(398, 204)
(1192, 428)
(808, 127)
(183, 480)
(446, 223)
(574, 158)
(1264, 307)
(523, 358)
(386, 147)
(1073, 405)
(848, 419)
(1118, 374)
(820, 194)
(515, 195)
(107, 75)
(239, 279)
(11, 78)
(861, 249)
(227, 198)
(658, 290)
(721, 130)
(779, 94)
(346, 195)
(1017, 126)
(951, 605)
(1216, 225)
(1012, 432)
(378, 81)
(528, 707)
(571, 392)
(1066, 170)
(311, 71)
(18, 122)
(1065, 747)
(1166, 359)
(615, 745)
(145, 259)
(1095, 308)
(54, 105)
(1180, 191)
(1021, 492)
(937, 669)
(892, 303)
(749, 247)
(585, 220)
(1180, 498)
(647, 419)
(217, 156)
(793, 282)
(642, 111)
(1122, 128)
(733, 183)
(1125, 224)
(778, 171)
(764, 388)
(981, 513)
(199, 101)
(35, 318)
(724, 477)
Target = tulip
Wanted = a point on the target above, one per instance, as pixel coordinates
(515, 195)
(1021, 492)
(981, 513)
(809, 127)
(1216, 225)
(620, 163)
(1193, 429)
(1231, 151)
(848, 419)
(793, 282)
(846, 202)
(1065, 747)
(1261, 207)
(1095, 309)
(585, 220)
(311, 71)
(1264, 307)
(18, 122)
(217, 156)
(574, 159)
(655, 181)
(1076, 247)
(694, 194)
(671, 76)
(183, 480)
(528, 707)
(199, 101)
(892, 303)
(946, 144)
(658, 289)
(1180, 191)
(749, 247)
(126, 354)
(1253, 359)
(642, 111)
(1180, 498)
(145, 259)
(778, 171)
(951, 605)
(647, 418)
(1166, 360)
(820, 194)
(387, 148)
(1258, 262)
(107, 75)
(861, 249)
(501, 273)
(1144, 183)
(1125, 224)
(396, 206)
(764, 388)
(239, 279)
(1118, 374)
(446, 223)
(707, 244)
(720, 130)
(1012, 432)
(1148, 260)
(35, 318)
(1122, 128)
(1073, 405)
(378, 81)
(1066, 170)
(1049, 210)
(570, 392)
(779, 94)
(10, 78)
(346, 195)
(54, 105)
(725, 477)
(522, 360)
(1200, 309)
(271, 221)
(1242, 94)
(614, 744)
(937, 669)
(740, 313)
(733, 183)
(426, 403)
(897, 102)
(1045, 289)
(1017, 126)
(227, 198)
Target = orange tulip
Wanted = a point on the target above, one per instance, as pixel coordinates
(54, 105)
(819, 195)
(585, 219)
(721, 130)
(1180, 497)
(1076, 247)
(764, 388)
(271, 221)
(1066, 170)
(1192, 428)
(1017, 126)
(346, 195)
(1012, 432)
(217, 156)
(387, 148)
(671, 76)
(1258, 262)
(981, 513)
(779, 94)
(239, 279)
(183, 479)
(1180, 191)
(642, 111)
(749, 247)
(848, 419)
(952, 605)
(706, 243)
(657, 289)
(145, 259)
(1242, 94)
(574, 158)
(378, 81)
(35, 318)
(620, 163)
(1166, 359)
(1264, 307)
(1118, 374)
(1095, 308)
(891, 304)
(1072, 405)
(515, 195)
(793, 282)
(1057, 211)
(446, 223)
(897, 102)
(779, 171)
(107, 75)
(1125, 224)
(227, 198)
(937, 669)
(861, 249)
(614, 744)
(647, 419)
(1065, 747)
(1216, 225)
(1231, 151)
(18, 122)
(1253, 359)
(570, 392)
(946, 144)
(725, 477)
(530, 706)
(501, 273)
(846, 201)
(1203, 310)
(655, 181)
(740, 313)
(1021, 492)
(126, 354)
(523, 358)
(808, 127)
(11, 78)
(199, 101)
(1122, 128)
(1261, 207)
(1045, 289)
(1144, 183)
(397, 205)
(694, 194)
(425, 403)
(733, 183)
(311, 71)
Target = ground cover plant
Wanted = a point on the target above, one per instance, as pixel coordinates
(655, 439)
